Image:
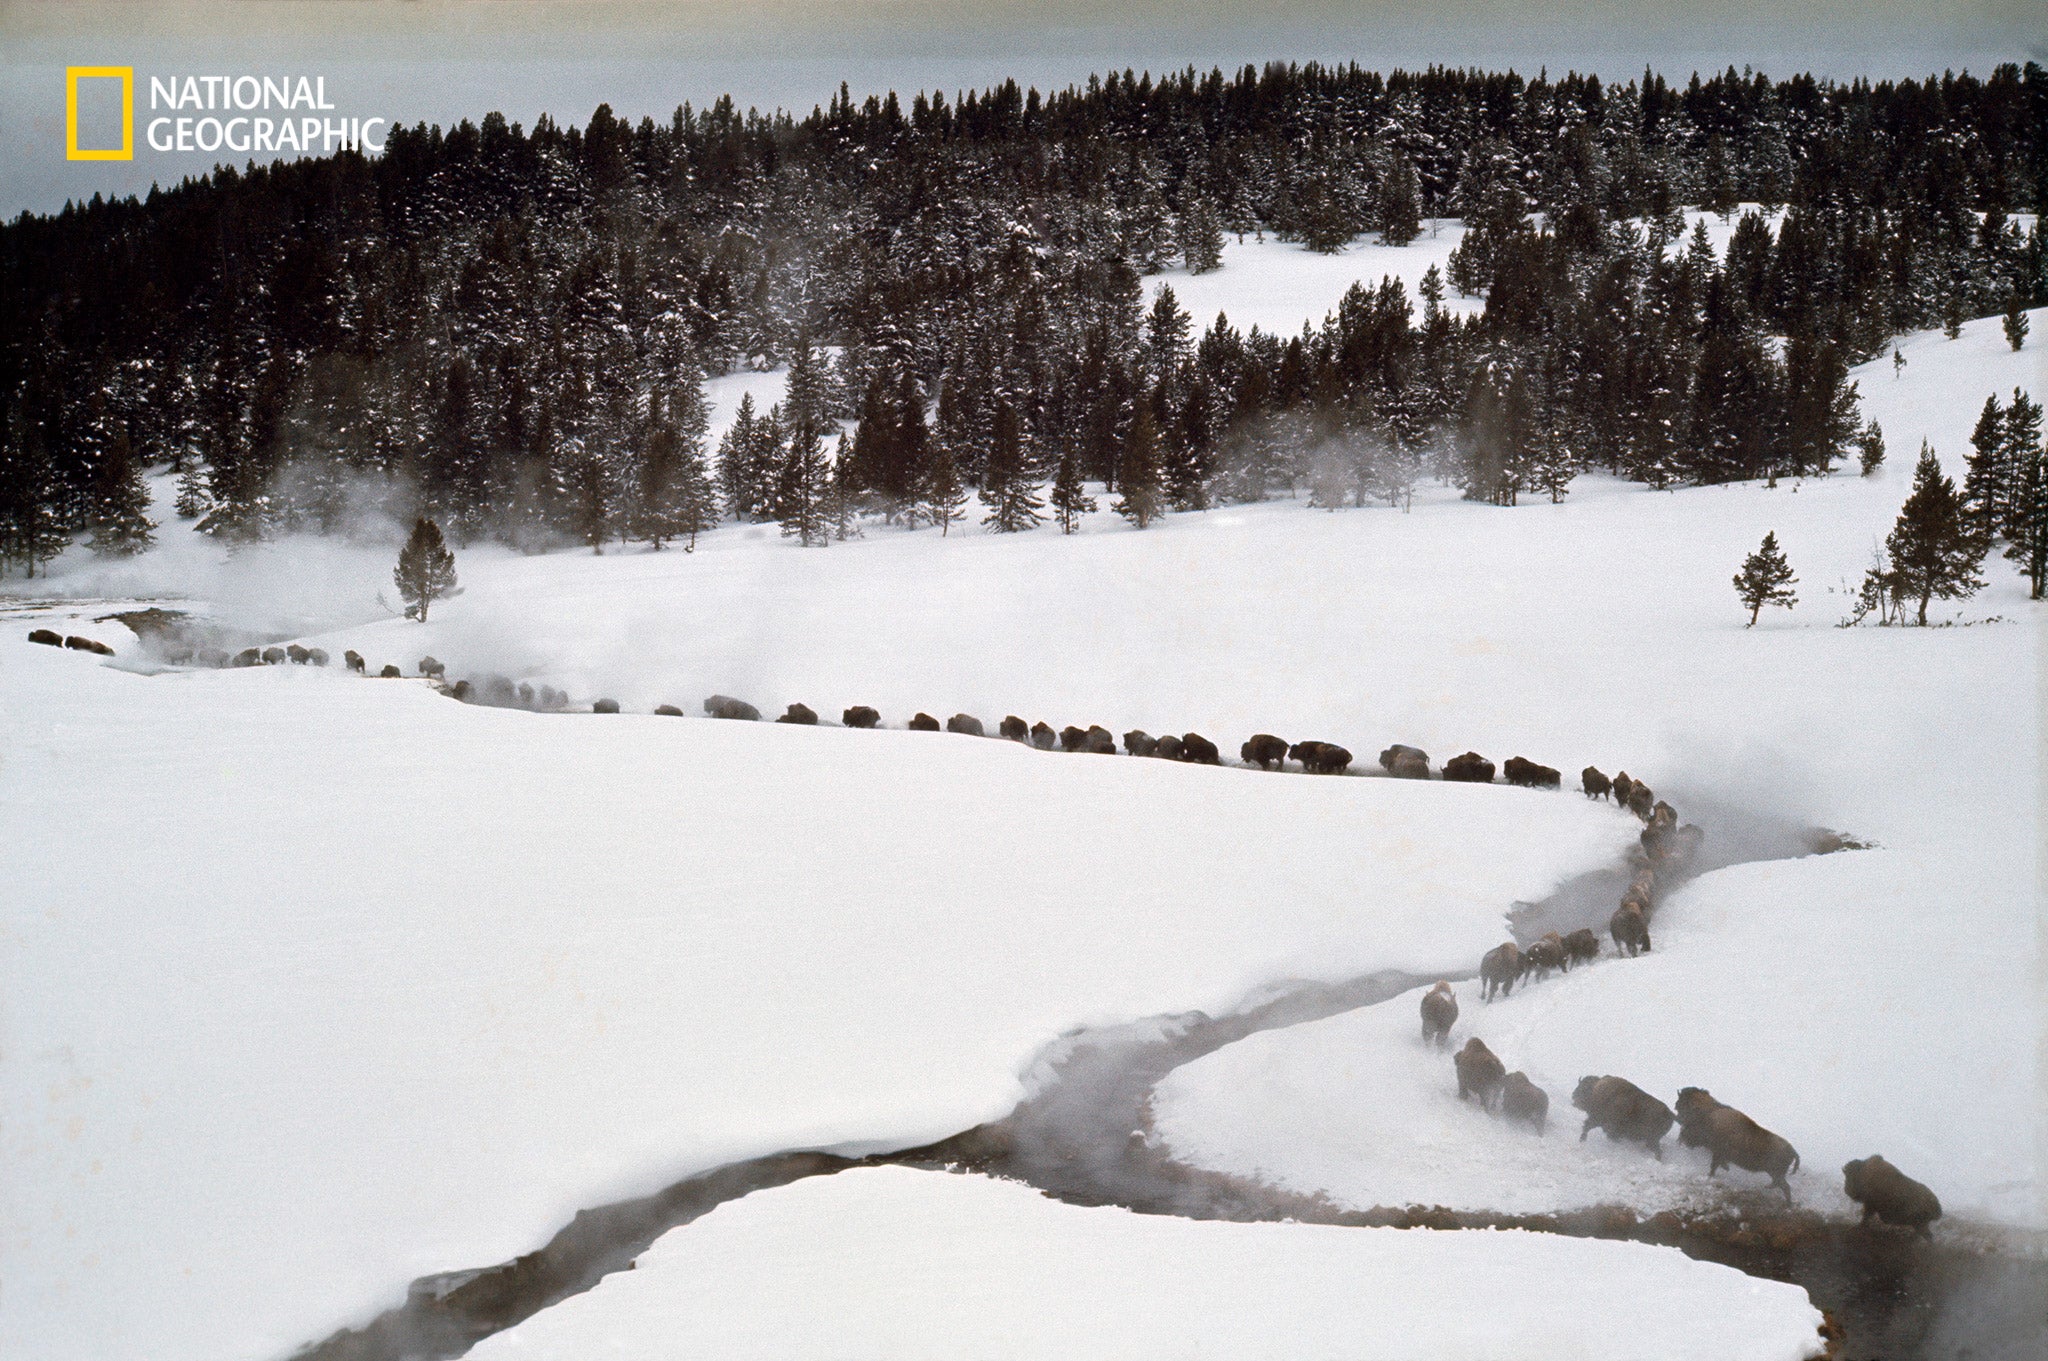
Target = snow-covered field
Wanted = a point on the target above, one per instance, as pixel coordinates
(312, 984)
(887, 1264)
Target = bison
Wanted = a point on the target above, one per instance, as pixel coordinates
(802, 714)
(1200, 750)
(1470, 768)
(1623, 785)
(605, 706)
(1321, 758)
(1623, 1111)
(93, 645)
(1167, 748)
(248, 656)
(1100, 741)
(1479, 1072)
(923, 722)
(390, 671)
(432, 667)
(47, 637)
(1014, 728)
(1393, 754)
(297, 653)
(1439, 1014)
(1642, 800)
(1529, 775)
(1263, 750)
(316, 656)
(1521, 1099)
(1499, 970)
(1543, 956)
(1631, 933)
(965, 724)
(1580, 947)
(725, 706)
(1073, 738)
(668, 711)
(354, 661)
(1596, 785)
(1043, 737)
(860, 716)
(272, 656)
(1138, 742)
(1732, 1138)
(460, 690)
(1889, 1194)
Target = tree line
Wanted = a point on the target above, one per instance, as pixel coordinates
(511, 329)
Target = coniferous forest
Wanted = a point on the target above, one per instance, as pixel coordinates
(509, 329)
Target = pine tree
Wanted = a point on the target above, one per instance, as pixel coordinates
(803, 489)
(1141, 501)
(1201, 237)
(1006, 486)
(2027, 524)
(2015, 320)
(1400, 204)
(1070, 500)
(1985, 495)
(943, 499)
(119, 500)
(1870, 449)
(1934, 550)
(426, 569)
(192, 500)
(1766, 579)
(2022, 436)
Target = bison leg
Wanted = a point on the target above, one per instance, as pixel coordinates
(1588, 1129)
(1784, 1186)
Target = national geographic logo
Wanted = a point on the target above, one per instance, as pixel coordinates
(207, 114)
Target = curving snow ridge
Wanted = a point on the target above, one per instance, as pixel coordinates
(888, 1264)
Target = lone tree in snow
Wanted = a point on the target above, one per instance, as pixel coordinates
(426, 569)
(1766, 579)
(1934, 549)
(2015, 320)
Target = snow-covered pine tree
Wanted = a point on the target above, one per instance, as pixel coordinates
(803, 489)
(1985, 485)
(1201, 235)
(192, 499)
(1400, 203)
(1766, 579)
(1870, 449)
(942, 499)
(1141, 499)
(2015, 320)
(426, 569)
(1934, 550)
(119, 501)
(1006, 487)
(2020, 440)
(1070, 499)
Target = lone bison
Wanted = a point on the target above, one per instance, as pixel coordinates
(1014, 728)
(1521, 1099)
(1200, 750)
(1889, 1194)
(1580, 947)
(1263, 750)
(430, 666)
(605, 706)
(1043, 737)
(353, 660)
(1499, 970)
(1470, 768)
(1544, 955)
(1733, 1138)
(1138, 742)
(1631, 933)
(860, 716)
(668, 711)
(47, 637)
(923, 722)
(802, 714)
(1439, 1014)
(1167, 748)
(1621, 1110)
(1393, 754)
(966, 724)
(1596, 785)
(390, 671)
(725, 706)
(1480, 1074)
(1529, 775)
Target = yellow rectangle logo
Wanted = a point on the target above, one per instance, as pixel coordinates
(124, 74)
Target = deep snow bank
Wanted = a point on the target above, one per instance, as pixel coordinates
(890, 1263)
(313, 984)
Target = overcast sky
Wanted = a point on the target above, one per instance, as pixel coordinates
(442, 60)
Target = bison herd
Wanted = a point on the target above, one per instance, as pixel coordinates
(51, 638)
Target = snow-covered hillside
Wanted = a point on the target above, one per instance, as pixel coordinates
(892, 1265)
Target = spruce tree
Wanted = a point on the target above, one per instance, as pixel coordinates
(1985, 484)
(1141, 500)
(2027, 523)
(1766, 579)
(1201, 236)
(116, 512)
(2015, 320)
(192, 500)
(1006, 486)
(2022, 436)
(1934, 549)
(804, 488)
(1870, 449)
(1070, 500)
(943, 499)
(426, 569)
(1400, 204)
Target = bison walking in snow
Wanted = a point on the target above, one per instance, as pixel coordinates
(1530, 775)
(1321, 758)
(859, 716)
(725, 706)
(1469, 768)
(1480, 1074)
(1596, 785)
(923, 722)
(1199, 749)
(1263, 750)
(1889, 1194)
(1167, 748)
(1439, 1014)
(1631, 933)
(1014, 728)
(1732, 1138)
(967, 725)
(1544, 955)
(354, 661)
(1581, 947)
(802, 714)
(1100, 741)
(1499, 970)
(1043, 737)
(1621, 1110)
(47, 637)
(1521, 1099)
(1138, 742)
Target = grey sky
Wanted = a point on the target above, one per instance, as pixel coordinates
(441, 60)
